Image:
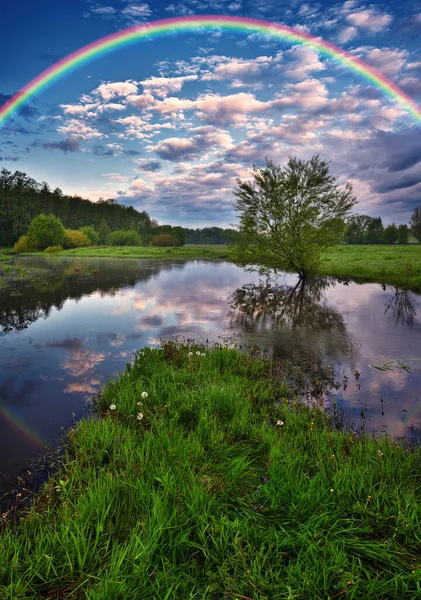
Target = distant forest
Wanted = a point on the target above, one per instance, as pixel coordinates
(22, 199)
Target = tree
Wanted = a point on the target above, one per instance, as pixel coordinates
(46, 230)
(415, 223)
(356, 228)
(390, 234)
(374, 231)
(164, 240)
(91, 234)
(288, 214)
(403, 234)
(124, 238)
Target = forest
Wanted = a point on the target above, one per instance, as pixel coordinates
(22, 199)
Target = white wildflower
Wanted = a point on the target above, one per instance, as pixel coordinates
(198, 353)
(140, 416)
(140, 403)
(190, 354)
(144, 394)
(112, 407)
(203, 354)
(280, 423)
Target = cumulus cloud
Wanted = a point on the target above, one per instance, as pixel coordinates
(389, 61)
(303, 62)
(162, 86)
(174, 149)
(370, 19)
(150, 165)
(347, 34)
(115, 89)
(309, 95)
(79, 130)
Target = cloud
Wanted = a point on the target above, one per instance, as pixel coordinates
(232, 109)
(107, 149)
(347, 34)
(70, 144)
(304, 61)
(308, 95)
(79, 129)
(370, 19)
(115, 89)
(385, 60)
(148, 164)
(162, 86)
(411, 85)
(174, 149)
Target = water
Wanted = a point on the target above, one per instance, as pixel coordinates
(63, 336)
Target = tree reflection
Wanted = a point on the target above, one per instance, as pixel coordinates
(31, 295)
(402, 305)
(293, 321)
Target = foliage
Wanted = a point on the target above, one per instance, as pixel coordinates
(46, 230)
(225, 485)
(91, 234)
(210, 235)
(415, 223)
(24, 245)
(288, 214)
(53, 249)
(22, 199)
(124, 238)
(164, 240)
(75, 239)
(403, 234)
(390, 234)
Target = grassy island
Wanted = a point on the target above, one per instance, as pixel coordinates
(202, 475)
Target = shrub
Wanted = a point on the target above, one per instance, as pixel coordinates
(91, 234)
(47, 230)
(53, 249)
(164, 240)
(75, 239)
(25, 244)
(124, 238)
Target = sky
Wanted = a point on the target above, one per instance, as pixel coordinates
(169, 124)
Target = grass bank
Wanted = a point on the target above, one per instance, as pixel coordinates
(395, 265)
(204, 477)
(216, 251)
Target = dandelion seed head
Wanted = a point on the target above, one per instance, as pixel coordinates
(144, 394)
(112, 407)
(140, 416)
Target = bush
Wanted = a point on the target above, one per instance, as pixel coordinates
(46, 230)
(75, 239)
(25, 244)
(164, 240)
(91, 234)
(124, 238)
(53, 249)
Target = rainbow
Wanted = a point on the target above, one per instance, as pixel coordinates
(163, 27)
(23, 430)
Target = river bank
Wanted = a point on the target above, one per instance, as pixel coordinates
(203, 475)
(393, 265)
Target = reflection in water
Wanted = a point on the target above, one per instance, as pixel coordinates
(74, 325)
(402, 305)
(296, 319)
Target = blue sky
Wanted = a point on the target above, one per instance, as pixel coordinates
(168, 125)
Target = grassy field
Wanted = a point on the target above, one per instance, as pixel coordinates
(192, 252)
(395, 265)
(204, 477)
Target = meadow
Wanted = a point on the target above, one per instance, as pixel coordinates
(203, 475)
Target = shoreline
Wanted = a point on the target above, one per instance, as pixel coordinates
(205, 476)
(396, 265)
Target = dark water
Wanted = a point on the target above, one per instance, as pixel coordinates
(79, 321)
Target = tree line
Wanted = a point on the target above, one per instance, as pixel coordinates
(22, 199)
(363, 229)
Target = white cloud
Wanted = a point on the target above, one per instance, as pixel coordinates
(370, 19)
(304, 61)
(115, 89)
(347, 34)
(79, 130)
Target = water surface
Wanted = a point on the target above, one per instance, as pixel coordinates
(64, 335)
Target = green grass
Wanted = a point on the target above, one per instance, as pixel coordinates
(206, 496)
(395, 265)
(216, 251)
